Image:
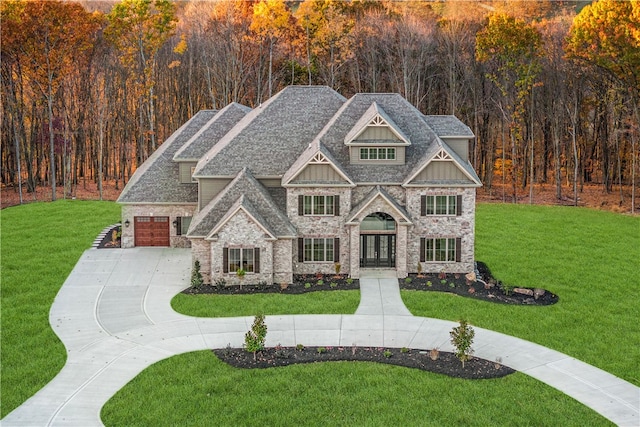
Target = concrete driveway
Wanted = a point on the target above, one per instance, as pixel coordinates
(113, 315)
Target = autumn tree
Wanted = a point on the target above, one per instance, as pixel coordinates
(512, 49)
(47, 38)
(138, 29)
(328, 26)
(606, 34)
(271, 18)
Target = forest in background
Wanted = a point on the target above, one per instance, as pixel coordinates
(551, 89)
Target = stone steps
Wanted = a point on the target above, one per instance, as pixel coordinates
(103, 233)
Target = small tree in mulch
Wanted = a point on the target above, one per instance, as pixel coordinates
(462, 338)
(255, 337)
(241, 273)
(196, 276)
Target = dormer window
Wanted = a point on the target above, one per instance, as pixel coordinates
(377, 153)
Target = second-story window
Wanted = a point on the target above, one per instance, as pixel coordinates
(318, 205)
(377, 153)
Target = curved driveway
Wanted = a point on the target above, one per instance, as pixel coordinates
(113, 314)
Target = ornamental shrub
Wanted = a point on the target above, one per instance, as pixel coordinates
(255, 338)
(196, 276)
(462, 338)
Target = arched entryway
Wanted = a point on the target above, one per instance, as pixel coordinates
(378, 241)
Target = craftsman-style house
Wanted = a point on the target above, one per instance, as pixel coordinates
(306, 181)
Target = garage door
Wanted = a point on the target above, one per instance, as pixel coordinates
(152, 230)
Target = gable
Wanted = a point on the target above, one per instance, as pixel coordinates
(444, 167)
(326, 174)
(244, 217)
(315, 166)
(377, 133)
(443, 170)
(376, 127)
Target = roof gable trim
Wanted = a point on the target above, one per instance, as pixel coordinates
(442, 155)
(239, 206)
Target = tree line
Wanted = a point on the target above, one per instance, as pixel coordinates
(551, 89)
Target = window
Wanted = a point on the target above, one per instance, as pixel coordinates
(441, 205)
(375, 153)
(318, 249)
(319, 205)
(241, 258)
(440, 249)
(182, 224)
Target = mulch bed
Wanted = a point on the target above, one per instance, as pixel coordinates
(302, 283)
(446, 363)
(486, 287)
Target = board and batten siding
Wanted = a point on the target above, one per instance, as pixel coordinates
(354, 153)
(209, 187)
(185, 172)
(377, 132)
(271, 182)
(318, 173)
(438, 171)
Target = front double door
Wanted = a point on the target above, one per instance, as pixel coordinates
(377, 250)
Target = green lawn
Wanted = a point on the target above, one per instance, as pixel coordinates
(198, 389)
(41, 242)
(211, 305)
(589, 258)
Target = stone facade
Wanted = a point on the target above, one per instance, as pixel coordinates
(321, 226)
(462, 226)
(241, 231)
(129, 212)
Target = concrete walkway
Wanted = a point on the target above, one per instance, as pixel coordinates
(114, 316)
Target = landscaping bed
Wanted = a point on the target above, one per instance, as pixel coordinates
(481, 285)
(433, 361)
(302, 283)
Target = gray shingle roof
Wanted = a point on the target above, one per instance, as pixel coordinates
(255, 197)
(211, 132)
(157, 180)
(446, 126)
(272, 136)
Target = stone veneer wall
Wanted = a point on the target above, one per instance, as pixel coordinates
(172, 211)
(241, 231)
(320, 226)
(442, 226)
(201, 251)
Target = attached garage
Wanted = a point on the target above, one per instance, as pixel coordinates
(152, 231)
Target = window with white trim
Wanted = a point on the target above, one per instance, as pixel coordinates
(440, 250)
(441, 205)
(377, 153)
(318, 249)
(241, 258)
(318, 205)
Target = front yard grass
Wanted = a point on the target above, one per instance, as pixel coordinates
(213, 305)
(587, 257)
(198, 389)
(41, 243)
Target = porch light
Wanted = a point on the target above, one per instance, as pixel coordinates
(175, 223)
(126, 223)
